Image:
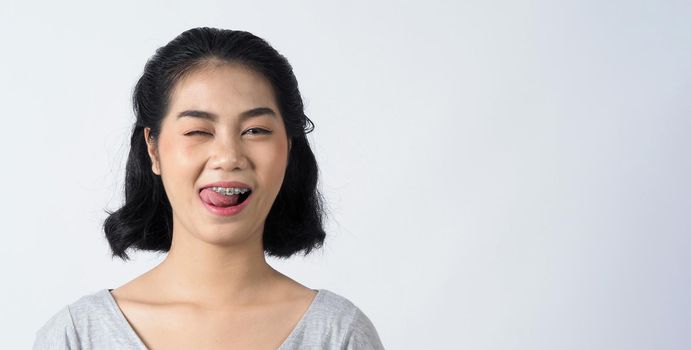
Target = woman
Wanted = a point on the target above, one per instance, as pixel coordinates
(219, 173)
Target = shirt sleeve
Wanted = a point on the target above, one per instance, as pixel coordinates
(363, 335)
(58, 333)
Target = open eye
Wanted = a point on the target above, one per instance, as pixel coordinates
(257, 131)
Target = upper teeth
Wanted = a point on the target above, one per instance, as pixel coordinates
(229, 191)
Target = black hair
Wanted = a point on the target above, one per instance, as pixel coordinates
(145, 222)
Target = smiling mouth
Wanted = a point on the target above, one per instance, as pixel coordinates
(228, 204)
(224, 198)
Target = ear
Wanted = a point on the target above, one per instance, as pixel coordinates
(151, 149)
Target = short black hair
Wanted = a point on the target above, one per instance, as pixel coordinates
(145, 222)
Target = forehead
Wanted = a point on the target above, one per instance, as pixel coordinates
(223, 89)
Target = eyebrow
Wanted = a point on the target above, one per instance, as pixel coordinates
(254, 112)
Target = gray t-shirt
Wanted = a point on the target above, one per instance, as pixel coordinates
(95, 321)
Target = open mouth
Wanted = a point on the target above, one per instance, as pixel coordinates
(243, 196)
(224, 198)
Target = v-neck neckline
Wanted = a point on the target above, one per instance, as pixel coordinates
(135, 337)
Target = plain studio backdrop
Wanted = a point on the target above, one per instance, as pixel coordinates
(499, 174)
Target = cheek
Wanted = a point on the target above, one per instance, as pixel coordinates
(178, 164)
(271, 161)
(183, 154)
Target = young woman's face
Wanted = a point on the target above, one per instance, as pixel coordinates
(243, 139)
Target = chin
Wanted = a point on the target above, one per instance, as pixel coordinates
(225, 234)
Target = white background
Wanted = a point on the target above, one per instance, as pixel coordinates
(500, 174)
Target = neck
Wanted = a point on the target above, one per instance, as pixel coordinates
(213, 275)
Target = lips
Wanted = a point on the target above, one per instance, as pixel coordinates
(229, 210)
(220, 204)
(221, 200)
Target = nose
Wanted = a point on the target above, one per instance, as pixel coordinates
(228, 154)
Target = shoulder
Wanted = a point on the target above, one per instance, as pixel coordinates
(60, 331)
(90, 307)
(81, 322)
(362, 333)
(57, 332)
(335, 322)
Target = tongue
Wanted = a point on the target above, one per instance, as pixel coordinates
(218, 199)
